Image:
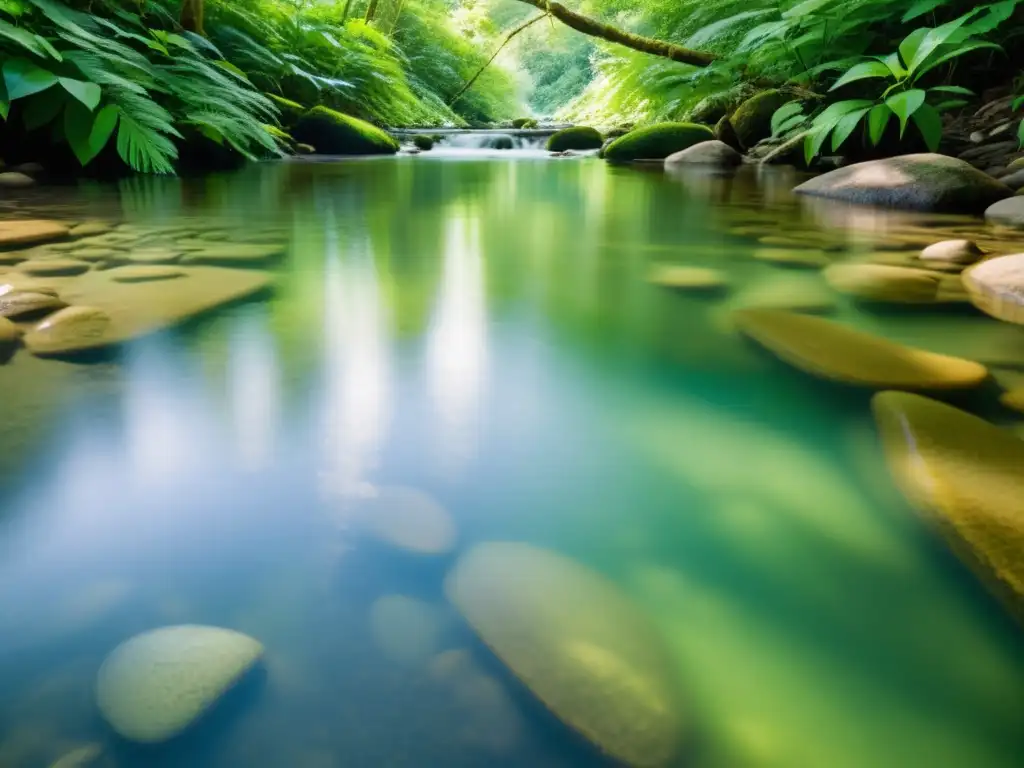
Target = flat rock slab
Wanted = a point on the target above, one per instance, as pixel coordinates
(884, 283)
(153, 255)
(137, 309)
(839, 353)
(922, 182)
(236, 255)
(91, 228)
(143, 273)
(30, 232)
(28, 305)
(54, 267)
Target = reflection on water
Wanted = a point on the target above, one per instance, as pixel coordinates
(481, 332)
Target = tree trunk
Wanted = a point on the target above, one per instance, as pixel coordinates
(192, 16)
(371, 11)
(345, 13)
(473, 79)
(595, 28)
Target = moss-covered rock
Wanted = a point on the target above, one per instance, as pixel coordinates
(839, 353)
(656, 142)
(524, 122)
(423, 142)
(290, 110)
(964, 473)
(752, 120)
(333, 133)
(577, 137)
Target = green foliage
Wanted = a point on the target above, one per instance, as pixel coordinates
(656, 142)
(899, 92)
(580, 137)
(90, 79)
(333, 133)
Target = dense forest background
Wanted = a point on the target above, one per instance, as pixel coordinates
(145, 77)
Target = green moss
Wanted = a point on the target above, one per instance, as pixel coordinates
(290, 110)
(578, 137)
(524, 122)
(656, 142)
(333, 133)
(752, 120)
(422, 141)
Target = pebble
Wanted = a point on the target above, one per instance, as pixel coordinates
(54, 267)
(952, 251)
(30, 231)
(28, 305)
(15, 180)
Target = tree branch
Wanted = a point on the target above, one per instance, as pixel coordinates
(595, 28)
(473, 79)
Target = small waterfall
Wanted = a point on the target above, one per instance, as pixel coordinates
(489, 140)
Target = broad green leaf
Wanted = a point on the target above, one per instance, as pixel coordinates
(958, 90)
(892, 61)
(814, 142)
(936, 37)
(23, 78)
(929, 123)
(803, 9)
(905, 104)
(878, 119)
(762, 33)
(997, 14)
(920, 8)
(21, 37)
(943, 106)
(835, 111)
(944, 56)
(847, 125)
(862, 71)
(1017, 102)
(784, 113)
(1020, 134)
(87, 93)
(88, 133)
(912, 44)
(713, 31)
(46, 46)
(790, 124)
(5, 108)
(43, 108)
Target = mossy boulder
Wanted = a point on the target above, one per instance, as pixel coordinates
(839, 353)
(423, 142)
(656, 142)
(752, 120)
(578, 137)
(524, 122)
(964, 473)
(333, 133)
(290, 110)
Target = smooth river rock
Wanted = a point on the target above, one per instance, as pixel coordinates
(153, 686)
(29, 305)
(408, 519)
(952, 252)
(1007, 213)
(836, 352)
(137, 309)
(406, 630)
(996, 287)
(9, 336)
(967, 475)
(711, 153)
(795, 258)
(578, 644)
(143, 273)
(23, 232)
(884, 283)
(53, 267)
(91, 228)
(922, 182)
(236, 255)
(15, 180)
(691, 279)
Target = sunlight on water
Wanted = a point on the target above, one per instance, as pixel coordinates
(467, 352)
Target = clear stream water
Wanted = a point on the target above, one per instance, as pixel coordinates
(479, 327)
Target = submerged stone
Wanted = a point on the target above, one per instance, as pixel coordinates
(684, 278)
(72, 326)
(408, 519)
(1007, 213)
(143, 273)
(405, 629)
(94, 255)
(30, 232)
(15, 180)
(793, 292)
(952, 252)
(798, 258)
(968, 475)
(82, 757)
(28, 305)
(996, 287)
(153, 686)
(91, 228)
(137, 309)
(925, 182)
(9, 336)
(579, 645)
(53, 267)
(713, 153)
(836, 352)
(884, 283)
(155, 255)
(236, 255)
(1013, 399)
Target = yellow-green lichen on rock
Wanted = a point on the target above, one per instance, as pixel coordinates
(578, 643)
(966, 474)
(836, 352)
(156, 684)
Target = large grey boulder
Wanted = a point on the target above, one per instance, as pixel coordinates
(712, 153)
(1007, 213)
(921, 182)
